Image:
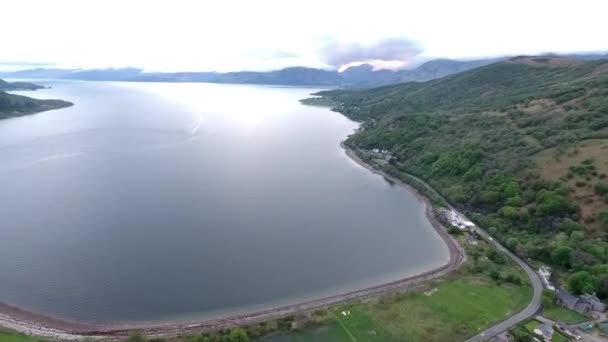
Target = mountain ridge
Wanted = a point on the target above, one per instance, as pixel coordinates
(356, 76)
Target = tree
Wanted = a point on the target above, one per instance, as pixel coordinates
(562, 256)
(512, 242)
(238, 335)
(550, 203)
(603, 218)
(576, 237)
(509, 212)
(602, 286)
(601, 189)
(496, 257)
(568, 226)
(600, 269)
(511, 189)
(513, 279)
(490, 197)
(521, 334)
(582, 282)
(514, 201)
(548, 299)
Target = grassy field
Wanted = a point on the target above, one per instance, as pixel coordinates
(557, 313)
(448, 311)
(9, 336)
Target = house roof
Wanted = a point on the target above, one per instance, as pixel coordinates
(592, 299)
(567, 299)
(545, 329)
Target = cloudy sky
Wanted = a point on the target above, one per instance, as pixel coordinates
(197, 35)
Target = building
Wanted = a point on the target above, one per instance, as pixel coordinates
(595, 303)
(545, 274)
(566, 330)
(458, 220)
(584, 304)
(572, 302)
(545, 331)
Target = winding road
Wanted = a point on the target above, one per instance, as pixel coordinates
(537, 284)
(530, 310)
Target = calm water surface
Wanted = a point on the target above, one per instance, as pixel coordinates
(149, 202)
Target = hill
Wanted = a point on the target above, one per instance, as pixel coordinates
(12, 105)
(521, 145)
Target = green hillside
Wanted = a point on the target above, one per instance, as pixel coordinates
(12, 105)
(521, 145)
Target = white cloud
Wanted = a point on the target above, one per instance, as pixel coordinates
(236, 35)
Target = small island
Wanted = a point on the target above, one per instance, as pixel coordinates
(12, 105)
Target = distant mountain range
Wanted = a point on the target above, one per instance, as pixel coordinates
(357, 76)
(361, 76)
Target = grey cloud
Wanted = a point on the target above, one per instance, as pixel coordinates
(393, 49)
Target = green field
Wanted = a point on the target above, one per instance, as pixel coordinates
(9, 336)
(450, 311)
(557, 313)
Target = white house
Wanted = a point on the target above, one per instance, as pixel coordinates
(545, 274)
(458, 220)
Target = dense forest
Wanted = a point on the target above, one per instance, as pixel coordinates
(520, 145)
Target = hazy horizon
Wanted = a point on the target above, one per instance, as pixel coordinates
(238, 35)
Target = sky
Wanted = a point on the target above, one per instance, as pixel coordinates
(230, 35)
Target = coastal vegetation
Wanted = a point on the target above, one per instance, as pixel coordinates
(519, 145)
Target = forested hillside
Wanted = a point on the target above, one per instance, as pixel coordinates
(12, 105)
(521, 145)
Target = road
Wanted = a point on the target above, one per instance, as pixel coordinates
(537, 284)
(530, 310)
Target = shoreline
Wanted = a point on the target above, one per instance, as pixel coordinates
(31, 323)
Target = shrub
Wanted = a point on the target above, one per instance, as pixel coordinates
(513, 279)
(582, 282)
(497, 257)
(601, 189)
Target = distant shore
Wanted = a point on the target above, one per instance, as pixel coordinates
(45, 326)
